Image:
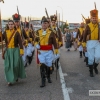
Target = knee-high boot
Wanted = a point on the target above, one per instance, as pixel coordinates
(91, 70)
(86, 61)
(95, 68)
(43, 73)
(80, 54)
(48, 75)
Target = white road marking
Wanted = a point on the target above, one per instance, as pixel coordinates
(64, 88)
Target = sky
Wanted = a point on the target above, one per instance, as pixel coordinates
(70, 10)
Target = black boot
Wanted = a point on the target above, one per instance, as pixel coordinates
(83, 53)
(42, 71)
(80, 54)
(87, 61)
(91, 70)
(95, 68)
(48, 75)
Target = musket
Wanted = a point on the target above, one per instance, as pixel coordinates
(83, 17)
(21, 26)
(95, 5)
(46, 13)
(1, 30)
(57, 20)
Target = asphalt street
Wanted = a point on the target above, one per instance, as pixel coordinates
(73, 81)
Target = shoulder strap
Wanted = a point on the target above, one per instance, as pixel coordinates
(10, 38)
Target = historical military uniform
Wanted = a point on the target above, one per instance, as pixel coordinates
(91, 41)
(13, 62)
(44, 42)
(87, 21)
(16, 18)
(29, 43)
(79, 34)
(21, 30)
(58, 36)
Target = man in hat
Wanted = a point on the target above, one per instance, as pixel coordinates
(91, 40)
(44, 42)
(87, 21)
(79, 34)
(58, 36)
(16, 19)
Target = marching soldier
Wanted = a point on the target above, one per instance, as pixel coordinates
(87, 21)
(12, 55)
(91, 40)
(33, 36)
(44, 40)
(30, 48)
(58, 36)
(16, 19)
(19, 27)
(79, 34)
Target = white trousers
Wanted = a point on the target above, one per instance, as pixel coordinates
(30, 49)
(46, 57)
(93, 50)
(24, 57)
(80, 48)
(86, 54)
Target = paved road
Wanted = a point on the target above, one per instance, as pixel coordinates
(78, 81)
(29, 88)
(76, 75)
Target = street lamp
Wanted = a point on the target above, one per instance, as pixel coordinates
(62, 17)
